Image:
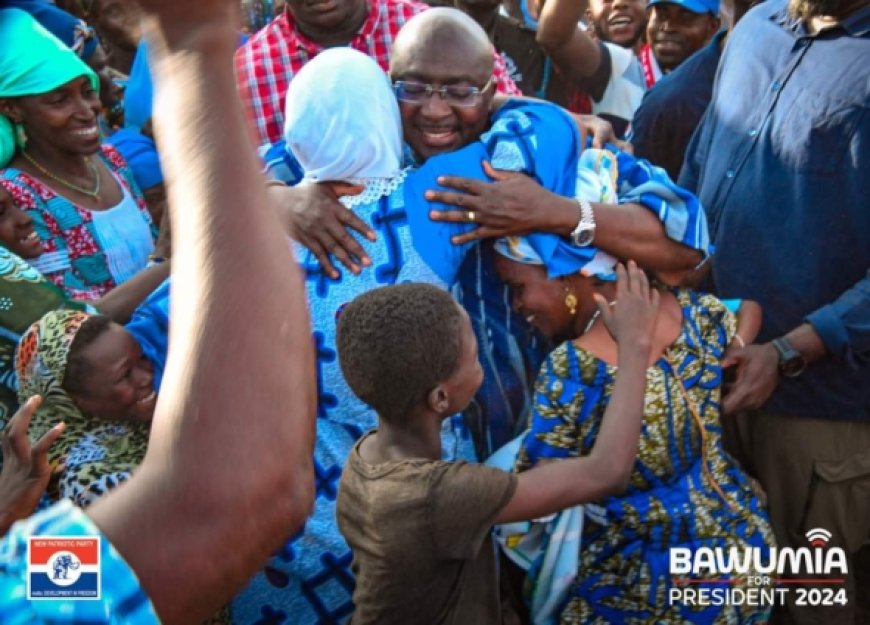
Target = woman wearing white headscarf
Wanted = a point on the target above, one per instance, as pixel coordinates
(343, 127)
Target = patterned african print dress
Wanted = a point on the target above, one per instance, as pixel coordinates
(309, 581)
(683, 485)
(86, 253)
(98, 455)
(25, 295)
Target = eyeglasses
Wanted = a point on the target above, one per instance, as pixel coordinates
(452, 95)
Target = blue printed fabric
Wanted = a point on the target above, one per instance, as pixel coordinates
(75, 257)
(309, 580)
(684, 491)
(122, 599)
(149, 325)
(538, 139)
(510, 349)
(679, 210)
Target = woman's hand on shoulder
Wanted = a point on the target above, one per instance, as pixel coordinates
(319, 222)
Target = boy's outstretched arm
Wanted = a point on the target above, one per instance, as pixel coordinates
(228, 473)
(557, 485)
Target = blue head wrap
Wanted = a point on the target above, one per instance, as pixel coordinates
(73, 31)
(140, 152)
(149, 325)
(536, 138)
(139, 92)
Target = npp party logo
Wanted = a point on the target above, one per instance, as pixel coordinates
(63, 568)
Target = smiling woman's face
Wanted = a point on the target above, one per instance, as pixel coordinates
(16, 229)
(111, 379)
(537, 298)
(63, 119)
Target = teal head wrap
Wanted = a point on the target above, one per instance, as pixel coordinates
(32, 62)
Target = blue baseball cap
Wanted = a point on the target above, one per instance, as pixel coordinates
(695, 6)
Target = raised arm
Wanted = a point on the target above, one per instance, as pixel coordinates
(228, 473)
(551, 487)
(575, 53)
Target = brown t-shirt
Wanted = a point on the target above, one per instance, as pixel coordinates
(419, 530)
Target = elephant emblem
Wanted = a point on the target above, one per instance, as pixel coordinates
(62, 565)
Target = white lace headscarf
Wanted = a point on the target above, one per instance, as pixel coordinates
(342, 123)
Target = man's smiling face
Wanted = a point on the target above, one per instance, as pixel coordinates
(432, 126)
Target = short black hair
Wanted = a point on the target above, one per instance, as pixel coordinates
(76, 367)
(397, 343)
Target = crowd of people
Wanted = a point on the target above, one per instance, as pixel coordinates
(374, 311)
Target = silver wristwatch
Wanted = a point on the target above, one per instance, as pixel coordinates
(584, 233)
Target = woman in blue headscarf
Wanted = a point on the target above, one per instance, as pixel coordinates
(685, 490)
(88, 212)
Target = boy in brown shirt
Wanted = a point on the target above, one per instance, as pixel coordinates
(418, 526)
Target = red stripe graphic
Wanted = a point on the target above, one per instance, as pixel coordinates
(85, 549)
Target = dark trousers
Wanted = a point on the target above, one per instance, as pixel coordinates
(816, 474)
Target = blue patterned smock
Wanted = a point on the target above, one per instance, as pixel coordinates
(309, 580)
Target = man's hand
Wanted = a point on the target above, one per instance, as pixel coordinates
(513, 204)
(26, 471)
(756, 379)
(318, 221)
(601, 132)
(599, 129)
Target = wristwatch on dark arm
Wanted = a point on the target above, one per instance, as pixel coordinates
(584, 232)
(791, 361)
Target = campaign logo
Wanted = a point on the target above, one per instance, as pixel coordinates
(63, 568)
(813, 576)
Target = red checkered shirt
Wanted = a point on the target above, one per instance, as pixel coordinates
(267, 62)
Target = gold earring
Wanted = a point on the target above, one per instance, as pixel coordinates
(571, 303)
(20, 136)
